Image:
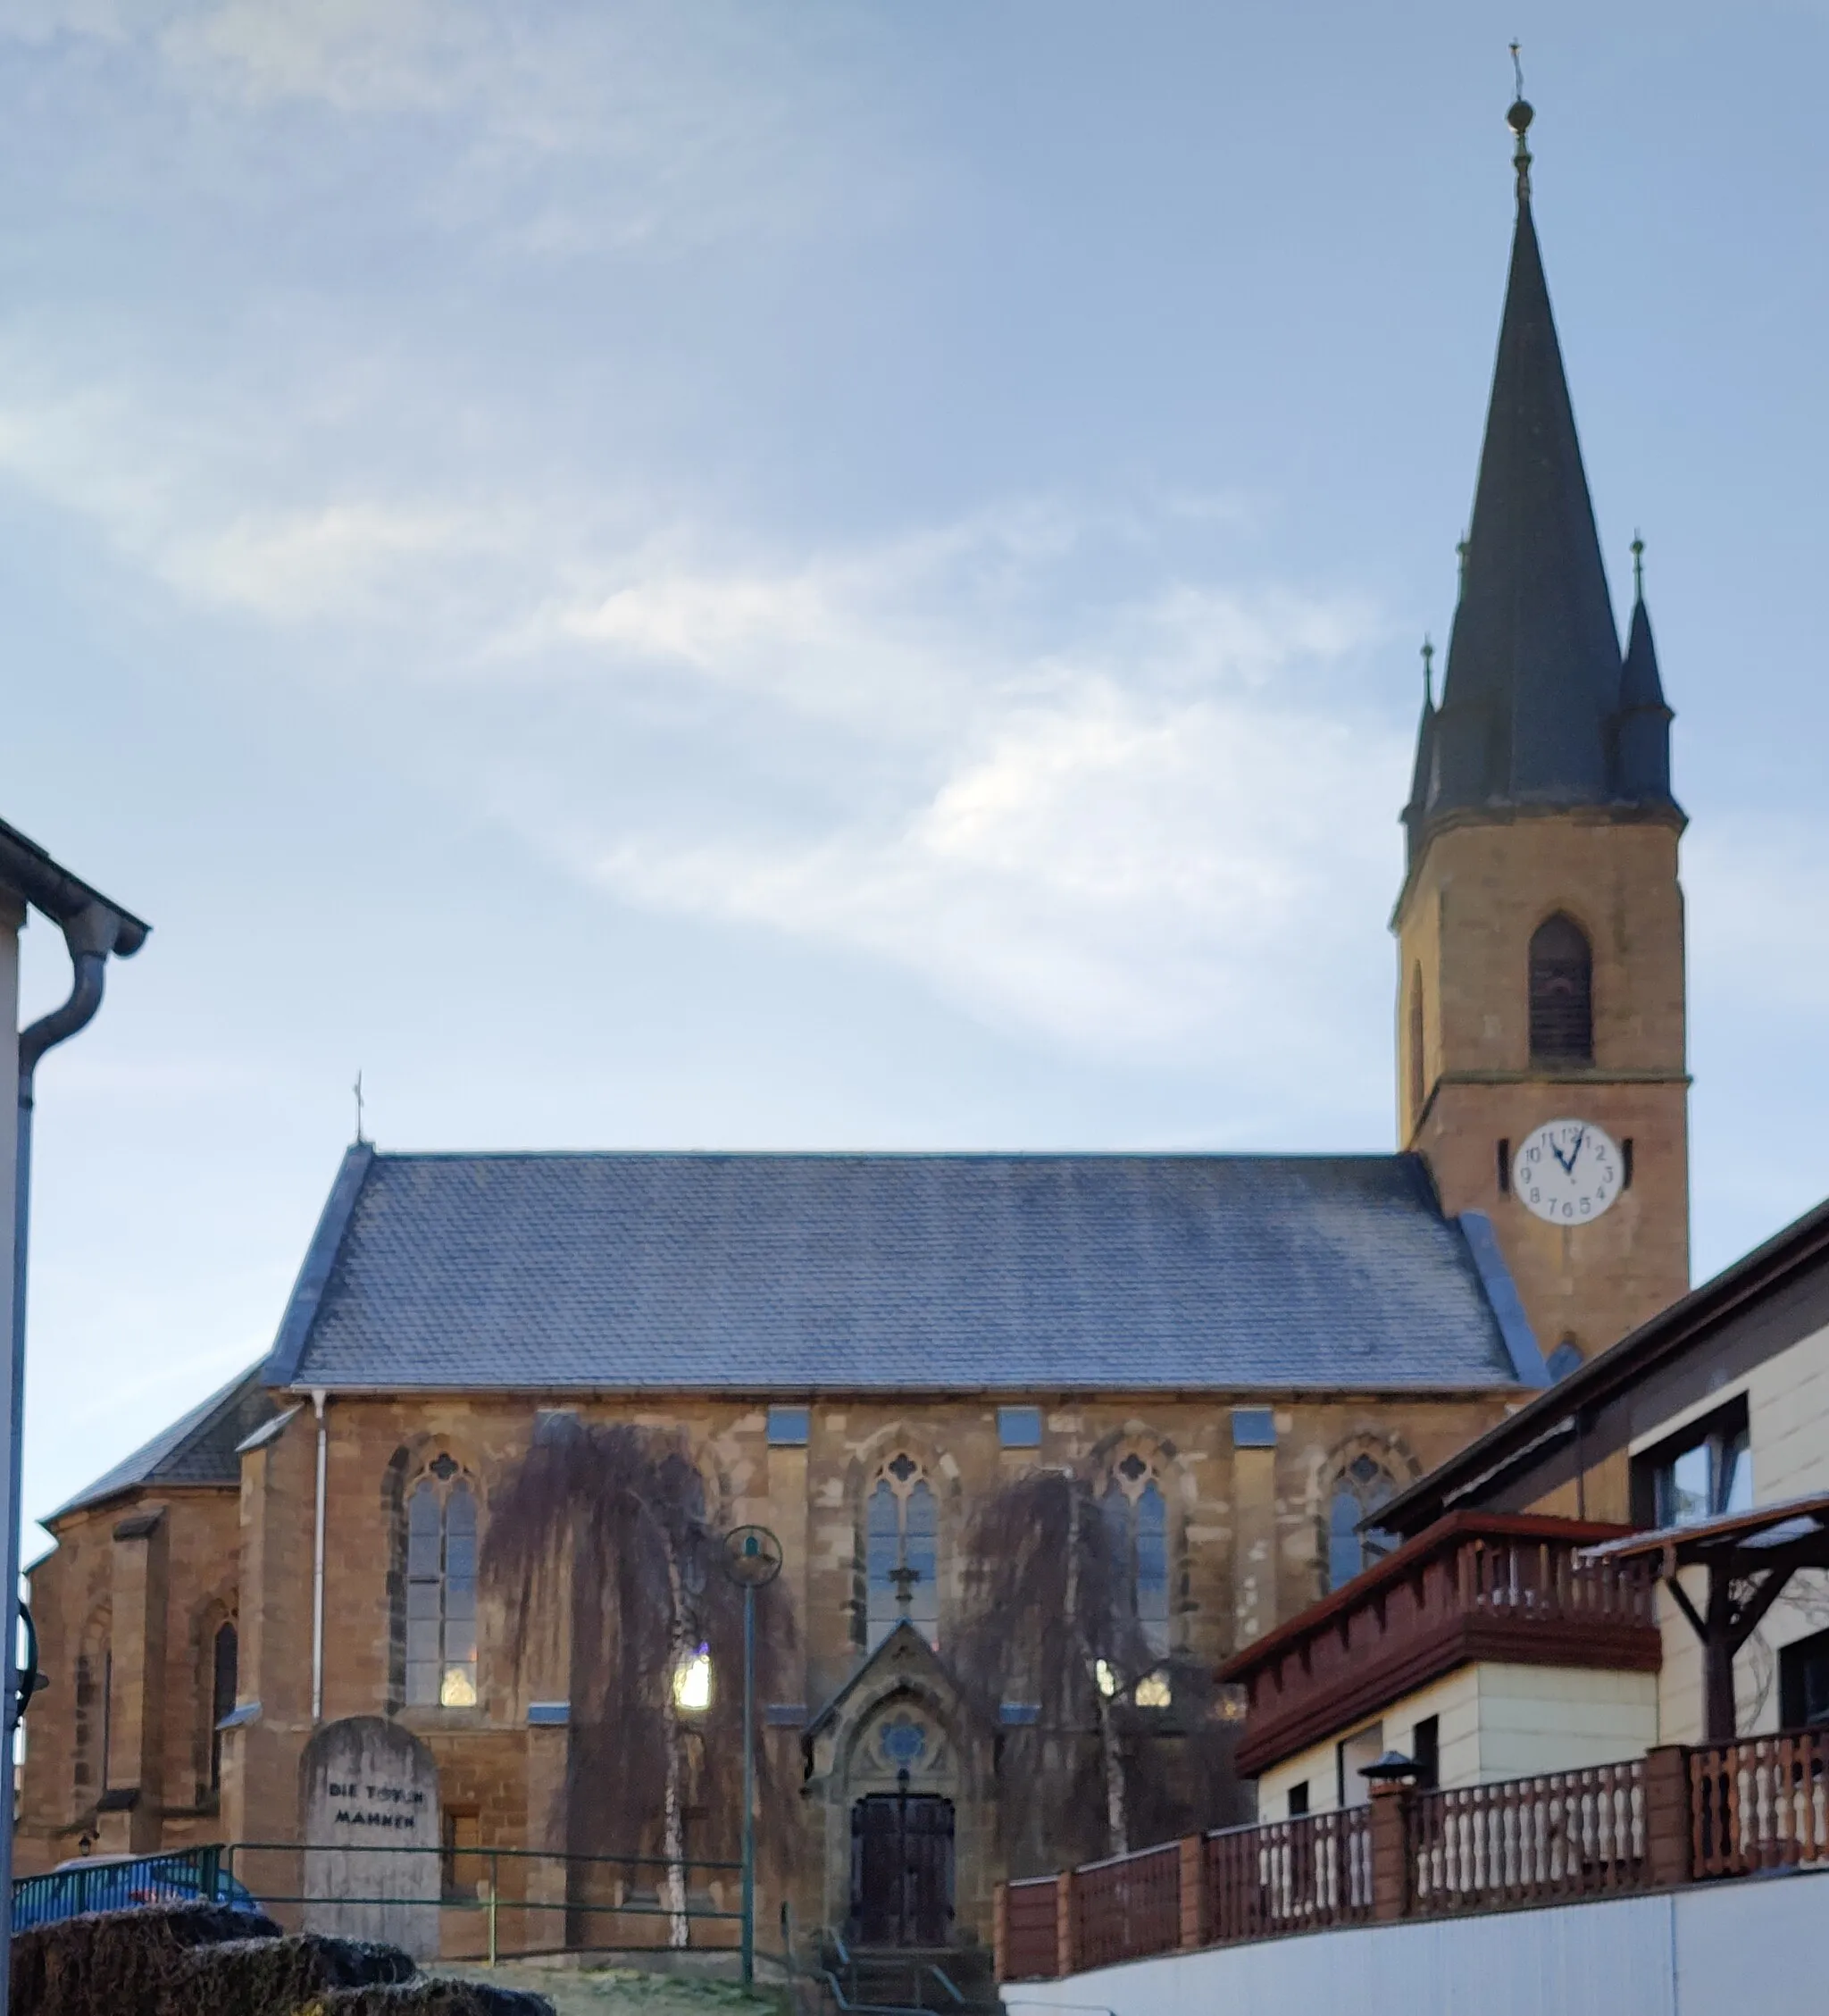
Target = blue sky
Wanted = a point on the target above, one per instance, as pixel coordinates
(771, 573)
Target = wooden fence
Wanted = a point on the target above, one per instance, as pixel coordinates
(1760, 1803)
(1673, 1816)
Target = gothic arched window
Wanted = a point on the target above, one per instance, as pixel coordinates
(901, 1552)
(441, 1591)
(1137, 1519)
(1416, 1085)
(1359, 1490)
(1562, 992)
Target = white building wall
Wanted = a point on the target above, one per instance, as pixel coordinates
(1495, 1721)
(1750, 1947)
(1788, 1423)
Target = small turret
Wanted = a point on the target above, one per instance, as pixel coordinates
(1641, 762)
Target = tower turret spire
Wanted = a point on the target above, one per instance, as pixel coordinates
(1530, 696)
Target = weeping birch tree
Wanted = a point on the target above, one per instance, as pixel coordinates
(1103, 1742)
(610, 1521)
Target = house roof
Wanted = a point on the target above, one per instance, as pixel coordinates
(199, 1449)
(794, 1273)
(1601, 1404)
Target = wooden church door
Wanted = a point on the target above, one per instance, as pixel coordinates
(902, 1869)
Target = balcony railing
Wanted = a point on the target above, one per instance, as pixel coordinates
(1673, 1817)
(1473, 1587)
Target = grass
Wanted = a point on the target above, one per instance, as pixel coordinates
(621, 1991)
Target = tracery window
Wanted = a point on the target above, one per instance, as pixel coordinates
(901, 1552)
(441, 1591)
(1360, 1489)
(1136, 1516)
(1562, 992)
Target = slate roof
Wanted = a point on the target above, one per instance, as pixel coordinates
(199, 1449)
(794, 1274)
(1531, 709)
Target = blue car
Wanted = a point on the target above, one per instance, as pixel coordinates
(192, 1876)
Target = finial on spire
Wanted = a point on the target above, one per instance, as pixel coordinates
(1460, 561)
(1518, 118)
(1638, 566)
(361, 1138)
(1428, 671)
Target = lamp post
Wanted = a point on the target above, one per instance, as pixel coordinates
(752, 1560)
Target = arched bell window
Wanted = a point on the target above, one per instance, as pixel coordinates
(1359, 1490)
(1136, 1516)
(1415, 1044)
(441, 1591)
(1562, 993)
(901, 1551)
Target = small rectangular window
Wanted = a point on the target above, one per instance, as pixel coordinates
(1019, 1427)
(1803, 1683)
(1425, 1752)
(1705, 1471)
(1505, 1169)
(1019, 1714)
(1254, 1428)
(1298, 1800)
(787, 1428)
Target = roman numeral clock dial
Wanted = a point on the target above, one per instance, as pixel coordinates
(1567, 1171)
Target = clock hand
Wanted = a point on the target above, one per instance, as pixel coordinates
(1560, 1156)
(1575, 1154)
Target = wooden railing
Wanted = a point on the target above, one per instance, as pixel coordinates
(1028, 1928)
(1672, 1816)
(1759, 1803)
(1128, 1906)
(1292, 1876)
(1526, 1841)
(1476, 1587)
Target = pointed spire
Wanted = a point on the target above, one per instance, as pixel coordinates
(1643, 760)
(1416, 811)
(1533, 665)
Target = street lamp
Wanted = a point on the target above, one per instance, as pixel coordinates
(752, 1560)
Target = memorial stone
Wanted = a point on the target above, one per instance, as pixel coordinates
(370, 1791)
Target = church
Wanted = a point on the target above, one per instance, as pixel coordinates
(1038, 1440)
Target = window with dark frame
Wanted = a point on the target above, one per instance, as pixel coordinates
(1298, 1800)
(224, 1656)
(1803, 1683)
(1561, 993)
(1703, 1472)
(1425, 1752)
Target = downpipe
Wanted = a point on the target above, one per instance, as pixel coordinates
(91, 936)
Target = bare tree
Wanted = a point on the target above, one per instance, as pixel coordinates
(609, 1521)
(1051, 1627)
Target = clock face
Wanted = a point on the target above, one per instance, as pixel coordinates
(1567, 1171)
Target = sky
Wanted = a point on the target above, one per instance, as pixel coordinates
(837, 573)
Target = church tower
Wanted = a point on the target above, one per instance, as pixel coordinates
(1540, 1017)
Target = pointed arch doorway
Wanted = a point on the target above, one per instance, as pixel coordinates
(902, 1868)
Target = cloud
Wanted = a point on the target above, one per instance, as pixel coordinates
(1124, 824)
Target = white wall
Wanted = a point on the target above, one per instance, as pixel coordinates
(1496, 1721)
(1746, 1947)
(1788, 1420)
